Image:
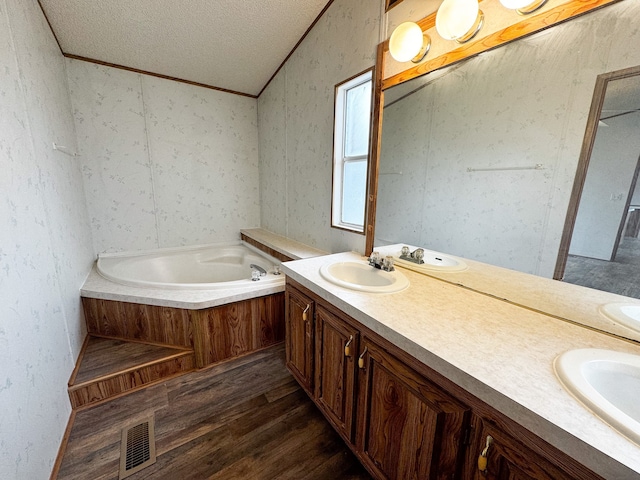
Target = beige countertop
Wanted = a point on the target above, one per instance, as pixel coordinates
(500, 352)
(560, 299)
(286, 246)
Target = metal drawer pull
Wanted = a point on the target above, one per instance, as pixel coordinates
(482, 459)
(347, 349)
(304, 312)
(361, 358)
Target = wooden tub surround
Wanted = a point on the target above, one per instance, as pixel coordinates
(131, 346)
(108, 368)
(213, 334)
(171, 332)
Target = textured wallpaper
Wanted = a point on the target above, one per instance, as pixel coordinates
(517, 106)
(164, 163)
(45, 244)
(296, 127)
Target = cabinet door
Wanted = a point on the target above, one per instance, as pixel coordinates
(336, 346)
(507, 458)
(300, 311)
(408, 428)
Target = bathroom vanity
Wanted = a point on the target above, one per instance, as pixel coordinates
(437, 381)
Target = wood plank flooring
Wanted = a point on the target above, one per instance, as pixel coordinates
(245, 419)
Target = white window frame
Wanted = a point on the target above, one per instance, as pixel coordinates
(339, 159)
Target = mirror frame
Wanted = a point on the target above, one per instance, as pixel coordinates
(376, 143)
(602, 81)
(389, 4)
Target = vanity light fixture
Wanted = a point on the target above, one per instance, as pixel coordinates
(523, 7)
(409, 42)
(459, 20)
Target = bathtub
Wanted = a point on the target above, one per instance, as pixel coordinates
(209, 267)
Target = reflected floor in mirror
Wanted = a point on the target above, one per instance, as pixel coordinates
(621, 276)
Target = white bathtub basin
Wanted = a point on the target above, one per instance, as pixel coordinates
(626, 314)
(362, 277)
(209, 267)
(606, 381)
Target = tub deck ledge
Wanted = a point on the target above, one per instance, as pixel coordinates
(96, 286)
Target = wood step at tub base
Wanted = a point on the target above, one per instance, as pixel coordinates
(108, 368)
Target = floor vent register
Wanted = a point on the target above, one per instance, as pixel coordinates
(137, 448)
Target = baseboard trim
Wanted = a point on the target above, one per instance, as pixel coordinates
(63, 447)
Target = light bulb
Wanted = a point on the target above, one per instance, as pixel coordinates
(407, 43)
(458, 19)
(523, 7)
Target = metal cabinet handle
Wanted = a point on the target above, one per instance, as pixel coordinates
(304, 312)
(347, 348)
(361, 358)
(482, 459)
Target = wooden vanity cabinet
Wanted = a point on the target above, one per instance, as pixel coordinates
(336, 353)
(408, 427)
(517, 456)
(299, 335)
(401, 418)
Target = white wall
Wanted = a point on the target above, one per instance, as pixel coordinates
(607, 186)
(164, 163)
(296, 125)
(516, 106)
(45, 244)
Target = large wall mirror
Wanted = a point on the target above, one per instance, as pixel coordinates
(479, 160)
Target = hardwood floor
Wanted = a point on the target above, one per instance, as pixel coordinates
(244, 419)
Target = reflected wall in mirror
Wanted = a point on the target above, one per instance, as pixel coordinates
(600, 247)
(478, 160)
(455, 143)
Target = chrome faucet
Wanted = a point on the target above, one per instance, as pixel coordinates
(256, 272)
(385, 263)
(416, 256)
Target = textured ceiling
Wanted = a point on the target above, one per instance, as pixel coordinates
(231, 44)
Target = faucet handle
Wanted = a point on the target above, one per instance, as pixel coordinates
(387, 263)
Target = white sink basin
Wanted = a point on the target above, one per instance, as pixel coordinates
(433, 262)
(626, 314)
(607, 382)
(363, 277)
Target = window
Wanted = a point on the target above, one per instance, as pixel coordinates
(351, 152)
